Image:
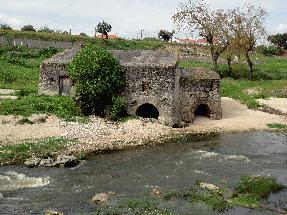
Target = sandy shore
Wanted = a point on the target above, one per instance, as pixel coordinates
(101, 134)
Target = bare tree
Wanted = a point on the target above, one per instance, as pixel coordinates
(247, 27)
(196, 16)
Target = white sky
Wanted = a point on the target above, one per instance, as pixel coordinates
(127, 17)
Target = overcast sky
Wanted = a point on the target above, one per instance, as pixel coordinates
(127, 17)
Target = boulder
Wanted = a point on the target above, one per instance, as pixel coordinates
(66, 161)
(53, 212)
(38, 118)
(101, 198)
(32, 162)
(47, 162)
(207, 186)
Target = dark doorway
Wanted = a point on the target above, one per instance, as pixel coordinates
(202, 110)
(148, 111)
(65, 85)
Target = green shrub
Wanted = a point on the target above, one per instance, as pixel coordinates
(118, 108)
(6, 77)
(97, 76)
(268, 50)
(48, 52)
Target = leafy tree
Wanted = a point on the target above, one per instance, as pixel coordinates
(104, 28)
(247, 28)
(5, 27)
(165, 35)
(279, 40)
(97, 76)
(197, 16)
(28, 28)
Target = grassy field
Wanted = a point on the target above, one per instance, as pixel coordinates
(120, 44)
(270, 79)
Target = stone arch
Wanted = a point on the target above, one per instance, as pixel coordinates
(202, 110)
(147, 110)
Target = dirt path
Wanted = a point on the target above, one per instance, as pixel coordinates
(101, 133)
(236, 117)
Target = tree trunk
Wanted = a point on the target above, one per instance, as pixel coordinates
(214, 59)
(250, 64)
(229, 67)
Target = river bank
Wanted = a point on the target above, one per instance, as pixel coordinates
(100, 135)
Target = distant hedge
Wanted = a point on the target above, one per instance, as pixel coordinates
(109, 44)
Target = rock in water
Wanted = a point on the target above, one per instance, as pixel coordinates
(207, 186)
(52, 212)
(100, 198)
(32, 162)
(47, 162)
(66, 161)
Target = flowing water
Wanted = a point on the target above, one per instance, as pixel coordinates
(219, 160)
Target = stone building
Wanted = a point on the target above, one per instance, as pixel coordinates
(155, 85)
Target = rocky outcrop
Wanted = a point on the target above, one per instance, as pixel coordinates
(61, 161)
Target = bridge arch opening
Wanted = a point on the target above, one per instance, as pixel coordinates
(202, 110)
(147, 111)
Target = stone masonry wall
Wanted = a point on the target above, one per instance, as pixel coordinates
(154, 86)
(39, 44)
(198, 92)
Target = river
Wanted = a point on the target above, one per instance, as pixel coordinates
(219, 160)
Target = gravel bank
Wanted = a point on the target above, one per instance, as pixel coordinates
(101, 134)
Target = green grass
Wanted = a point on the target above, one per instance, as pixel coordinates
(236, 89)
(142, 206)
(251, 189)
(19, 67)
(213, 199)
(25, 106)
(277, 126)
(265, 68)
(44, 148)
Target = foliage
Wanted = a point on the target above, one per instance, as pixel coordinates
(48, 52)
(19, 67)
(258, 185)
(165, 35)
(83, 34)
(97, 76)
(268, 50)
(247, 27)
(43, 148)
(104, 28)
(279, 40)
(142, 206)
(118, 108)
(5, 27)
(214, 199)
(251, 189)
(117, 44)
(266, 68)
(197, 16)
(46, 29)
(27, 105)
(28, 28)
(277, 126)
